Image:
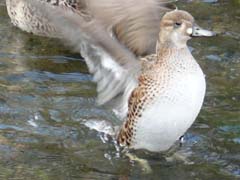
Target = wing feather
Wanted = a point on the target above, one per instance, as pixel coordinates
(114, 67)
(135, 22)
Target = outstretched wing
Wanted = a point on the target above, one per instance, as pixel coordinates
(135, 22)
(114, 67)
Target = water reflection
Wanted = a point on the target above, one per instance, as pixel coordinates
(46, 98)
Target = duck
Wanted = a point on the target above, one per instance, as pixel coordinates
(156, 97)
(133, 31)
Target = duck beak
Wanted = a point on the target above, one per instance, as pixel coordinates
(198, 31)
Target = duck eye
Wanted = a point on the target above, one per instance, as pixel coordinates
(177, 24)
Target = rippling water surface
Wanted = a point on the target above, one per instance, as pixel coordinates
(47, 97)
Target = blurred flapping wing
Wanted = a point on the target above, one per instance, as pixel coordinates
(114, 67)
(135, 22)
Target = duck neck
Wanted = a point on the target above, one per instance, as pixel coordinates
(167, 53)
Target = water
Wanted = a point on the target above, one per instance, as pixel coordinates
(46, 98)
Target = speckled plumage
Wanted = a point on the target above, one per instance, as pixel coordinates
(158, 82)
(170, 90)
(158, 97)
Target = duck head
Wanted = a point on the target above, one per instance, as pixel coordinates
(177, 27)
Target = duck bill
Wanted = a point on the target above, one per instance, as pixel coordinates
(198, 31)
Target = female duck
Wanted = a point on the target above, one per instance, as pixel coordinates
(157, 102)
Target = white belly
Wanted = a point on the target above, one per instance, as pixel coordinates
(171, 113)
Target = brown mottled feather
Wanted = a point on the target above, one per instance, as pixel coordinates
(115, 66)
(135, 23)
(154, 70)
(140, 98)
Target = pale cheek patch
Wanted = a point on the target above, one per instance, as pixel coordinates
(189, 30)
